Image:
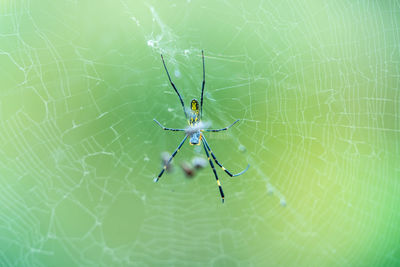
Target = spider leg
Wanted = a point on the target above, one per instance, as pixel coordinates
(172, 156)
(173, 85)
(219, 164)
(202, 86)
(168, 129)
(222, 129)
(215, 172)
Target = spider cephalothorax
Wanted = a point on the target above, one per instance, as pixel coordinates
(195, 131)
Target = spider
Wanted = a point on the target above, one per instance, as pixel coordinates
(195, 131)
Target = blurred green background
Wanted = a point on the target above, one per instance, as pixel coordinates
(315, 84)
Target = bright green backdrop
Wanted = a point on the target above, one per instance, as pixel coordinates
(315, 84)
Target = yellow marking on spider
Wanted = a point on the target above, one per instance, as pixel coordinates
(194, 106)
(165, 166)
(219, 184)
(223, 168)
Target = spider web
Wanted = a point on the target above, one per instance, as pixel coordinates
(315, 86)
